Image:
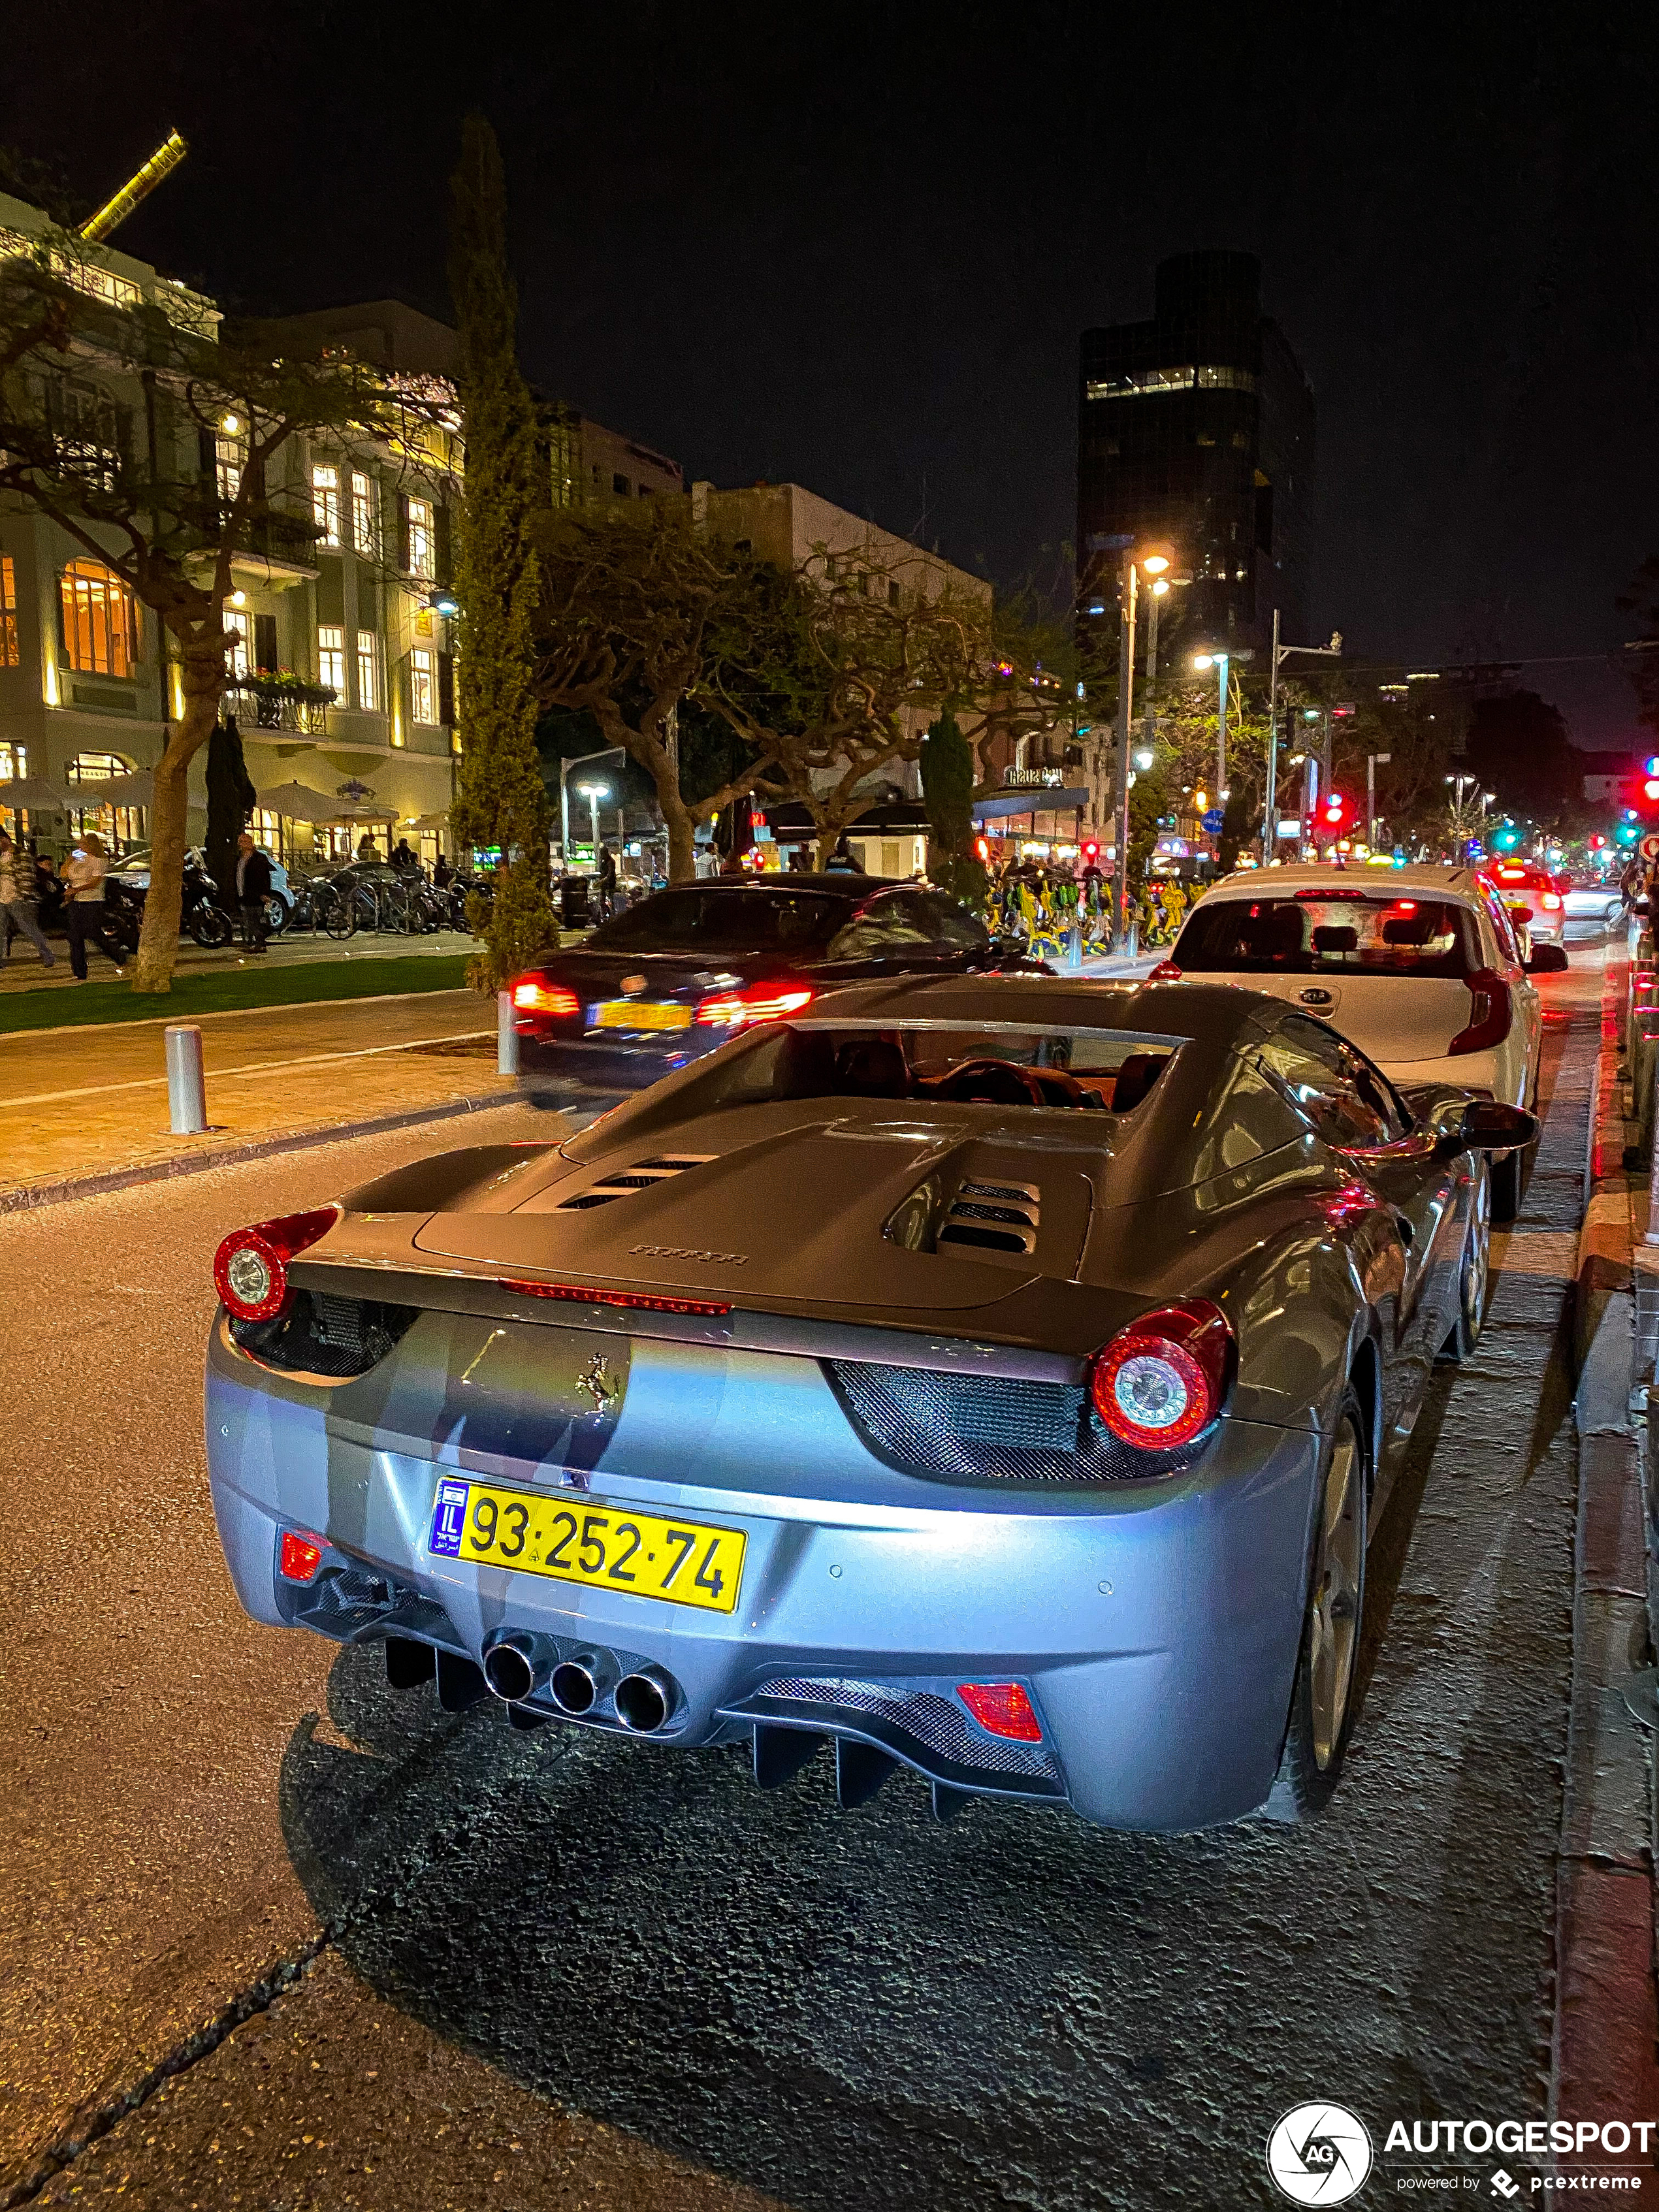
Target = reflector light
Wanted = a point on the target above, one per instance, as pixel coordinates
(642, 1301)
(1003, 1708)
(533, 996)
(1160, 1382)
(755, 1002)
(250, 1269)
(301, 1555)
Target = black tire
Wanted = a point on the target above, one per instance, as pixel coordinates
(338, 913)
(1327, 1660)
(211, 928)
(1472, 1268)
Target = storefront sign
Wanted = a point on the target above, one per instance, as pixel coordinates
(1032, 779)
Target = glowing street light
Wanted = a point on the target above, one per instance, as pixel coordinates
(593, 793)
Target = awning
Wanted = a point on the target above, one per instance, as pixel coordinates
(298, 804)
(33, 794)
(137, 788)
(1039, 800)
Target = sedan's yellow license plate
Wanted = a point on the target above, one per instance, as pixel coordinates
(604, 1546)
(638, 1014)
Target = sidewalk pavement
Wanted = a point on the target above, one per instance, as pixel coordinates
(86, 1109)
(1606, 2056)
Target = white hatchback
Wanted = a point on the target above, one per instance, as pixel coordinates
(1421, 968)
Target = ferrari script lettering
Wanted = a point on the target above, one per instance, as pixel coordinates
(685, 1252)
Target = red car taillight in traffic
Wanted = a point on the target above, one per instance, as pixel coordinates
(1490, 1015)
(534, 995)
(1160, 1381)
(1551, 902)
(755, 1002)
(1165, 972)
(250, 1269)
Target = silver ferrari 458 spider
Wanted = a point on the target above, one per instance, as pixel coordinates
(998, 1378)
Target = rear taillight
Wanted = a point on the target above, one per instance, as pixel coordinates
(1165, 972)
(300, 1556)
(1551, 902)
(250, 1269)
(1490, 1015)
(1160, 1381)
(1004, 1708)
(755, 1002)
(643, 1301)
(531, 995)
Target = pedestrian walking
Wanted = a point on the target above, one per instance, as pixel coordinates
(252, 892)
(17, 899)
(82, 875)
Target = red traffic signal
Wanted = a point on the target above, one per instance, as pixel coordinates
(1333, 811)
(1650, 787)
(1092, 852)
(1597, 842)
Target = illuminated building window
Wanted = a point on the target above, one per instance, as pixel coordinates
(325, 502)
(421, 540)
(8, 612)
(422, 686)
(238, 626)
(100, 622)
(369, 671)
(362, 515)
(1218, 376)
(228, 455)
(330, 658)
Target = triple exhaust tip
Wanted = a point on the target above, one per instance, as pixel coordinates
(517, 1666)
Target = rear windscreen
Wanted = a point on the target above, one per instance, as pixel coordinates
(1349, 935)
(716, 919)
(985, 1064)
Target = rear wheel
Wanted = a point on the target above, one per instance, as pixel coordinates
(276, 914)
(1321, 1702)
(208, 926)
(1473, 1269)
(337, 913)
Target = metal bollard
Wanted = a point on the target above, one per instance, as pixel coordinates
(1132, 942)
(506, 1037)
(187, 1085)
(1074, 949)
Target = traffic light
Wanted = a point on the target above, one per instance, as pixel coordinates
(1507, 838)
(1598, 843)
(1091, 853)
(1334, 812)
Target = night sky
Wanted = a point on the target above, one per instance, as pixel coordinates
(855, 247)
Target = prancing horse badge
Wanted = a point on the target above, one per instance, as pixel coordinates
(595, 1379)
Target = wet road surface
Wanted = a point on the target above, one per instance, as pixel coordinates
(555, 1970)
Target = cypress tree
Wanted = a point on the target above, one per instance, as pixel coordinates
(500, 800)
(947, 790)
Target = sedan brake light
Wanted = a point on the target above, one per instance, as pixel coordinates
(1490, 1014)
(1004, 1708)
(1551, 902)
(754, 1002)
(533, 995)
(1165, 972)
(1161, 1381)
(250, 1269)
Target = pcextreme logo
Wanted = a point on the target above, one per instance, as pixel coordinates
(1319, 2154)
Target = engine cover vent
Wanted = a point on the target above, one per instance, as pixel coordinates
(644, 1175)
(995, 1217)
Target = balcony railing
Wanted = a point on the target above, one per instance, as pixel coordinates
(279, 707)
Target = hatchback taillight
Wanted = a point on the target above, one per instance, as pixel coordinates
(1490, 1015)
(250, 1269)
(1162, 1381)
(755, 1002)
(1551, 902)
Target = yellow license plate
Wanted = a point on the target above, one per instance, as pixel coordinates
(638, 1014)
(605, 1547)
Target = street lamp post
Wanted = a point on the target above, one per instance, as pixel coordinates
(1371, 759)
(593, 793)
(1281, 653)
(1125, 685)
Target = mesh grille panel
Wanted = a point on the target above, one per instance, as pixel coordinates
(322, 1334)
(982, 1428)
(937, 1724)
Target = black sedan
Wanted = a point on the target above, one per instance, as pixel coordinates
(687, 969)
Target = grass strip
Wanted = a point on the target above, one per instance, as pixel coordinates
(93, 1004)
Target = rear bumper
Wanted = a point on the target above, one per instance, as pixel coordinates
(547, 1065)
(1156, 1628)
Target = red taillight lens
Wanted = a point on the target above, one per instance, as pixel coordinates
(1551, 902)
(1004, 1708)
(533, 996)
(1490, 1015)
(1160, 1381)
(250, 1269)
(301, 1555)
(644, 1301)
(1165, 972)
(755, 1002)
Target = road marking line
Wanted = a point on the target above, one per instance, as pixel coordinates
(231, 1074)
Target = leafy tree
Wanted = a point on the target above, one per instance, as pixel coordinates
(110, 419)
(501, 800)
(947, 788)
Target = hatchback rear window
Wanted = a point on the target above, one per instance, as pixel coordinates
(711, 918)
(1355, 934)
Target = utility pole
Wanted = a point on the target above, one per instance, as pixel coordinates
(1126, 687)
(1372, 759)
(1280, 653)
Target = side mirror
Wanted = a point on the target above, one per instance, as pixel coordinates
(1488, 1125)
(1547, 960)
(1521, 914)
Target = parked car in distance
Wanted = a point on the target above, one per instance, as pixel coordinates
(1594, 898)
(1421, 968)
(134, 871)
(675, 976)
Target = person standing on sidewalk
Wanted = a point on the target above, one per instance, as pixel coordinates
(17, 901)
(252, 892)
(83, 877)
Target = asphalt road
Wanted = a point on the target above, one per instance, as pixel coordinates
(487, 1970)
